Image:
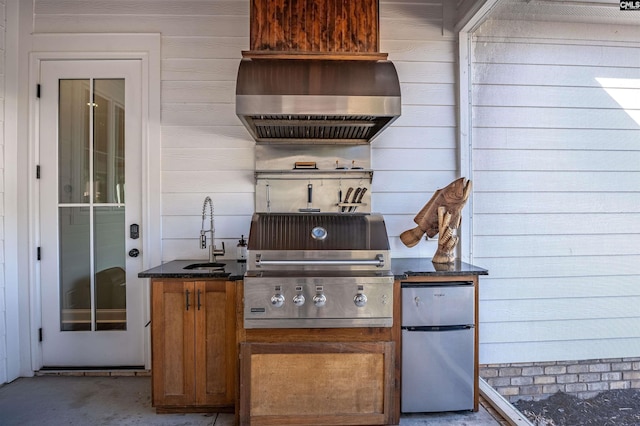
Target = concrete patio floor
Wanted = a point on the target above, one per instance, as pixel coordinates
(126, 400)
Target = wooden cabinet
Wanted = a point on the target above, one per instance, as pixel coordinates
(194, 361)
(311, 383)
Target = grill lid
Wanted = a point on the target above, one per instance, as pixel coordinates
(316, 101)
(322, 231)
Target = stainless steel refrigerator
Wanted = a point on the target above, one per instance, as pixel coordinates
(438, 321)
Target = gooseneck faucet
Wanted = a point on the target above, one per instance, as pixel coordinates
(213, 252)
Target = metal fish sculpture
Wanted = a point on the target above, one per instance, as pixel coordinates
(453, 197)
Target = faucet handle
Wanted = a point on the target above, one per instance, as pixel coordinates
(221, 252)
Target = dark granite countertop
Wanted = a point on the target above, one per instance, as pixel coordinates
(403, 268)
(232, 270)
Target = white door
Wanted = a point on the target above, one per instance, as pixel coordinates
(90, 140)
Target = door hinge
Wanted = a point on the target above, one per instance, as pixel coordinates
(40, 334)
(38, 253)
(38, 171)
(38, 90)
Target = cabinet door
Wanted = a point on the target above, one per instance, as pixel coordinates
(172, 333)
(311, 383)
(215, 343)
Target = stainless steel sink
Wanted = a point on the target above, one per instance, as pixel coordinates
(206, 266)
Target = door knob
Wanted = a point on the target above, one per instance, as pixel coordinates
(134, 252)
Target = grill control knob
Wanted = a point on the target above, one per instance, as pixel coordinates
(319, 300)
(360, 300)
(298, 300)
(277, 300)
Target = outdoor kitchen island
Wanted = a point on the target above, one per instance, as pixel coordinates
(278, 376)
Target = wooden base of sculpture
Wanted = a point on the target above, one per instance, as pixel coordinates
(447, 240)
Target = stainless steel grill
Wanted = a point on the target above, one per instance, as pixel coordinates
(318, 270)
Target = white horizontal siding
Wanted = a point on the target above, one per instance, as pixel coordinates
(557, 118)
(557, 245)
(546, 180)
(601, 160)
(417, 154)
(572, 12)
(180, 25)
(556, 203)
(554, 351)
(3, 301)
(140, 7)
(417, 137)
(208, 181)
(546, 74)
(563, 309)
(553, 267)
(563, 331)
(186, 159)
(554, 97)
(560, 139)
(598, 33)
(557, 223)
(201, 137)
(544, 288)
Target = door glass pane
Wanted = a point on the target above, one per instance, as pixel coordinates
(110, 266)
(92, 212)
(108, 140)
(73, 141)
(75, 269)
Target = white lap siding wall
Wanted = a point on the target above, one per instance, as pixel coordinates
(418, 153)
(556, 159)
(3, 289)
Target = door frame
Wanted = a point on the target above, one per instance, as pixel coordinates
(143, 47)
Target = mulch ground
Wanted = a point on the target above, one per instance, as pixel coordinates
(609, 408)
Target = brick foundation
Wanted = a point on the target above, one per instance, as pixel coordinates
(584, 379)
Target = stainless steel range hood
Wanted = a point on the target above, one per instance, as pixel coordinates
(316, 101)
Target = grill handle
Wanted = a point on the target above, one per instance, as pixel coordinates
(378, 261)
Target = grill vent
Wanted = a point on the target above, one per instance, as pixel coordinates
(269, 128)
(293, 232)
